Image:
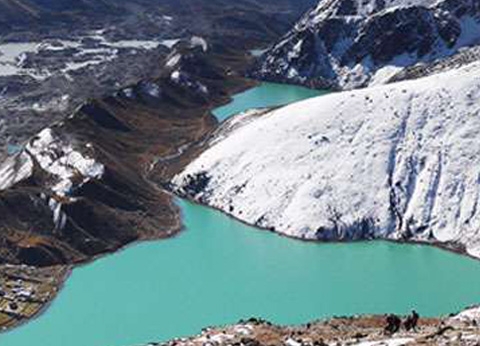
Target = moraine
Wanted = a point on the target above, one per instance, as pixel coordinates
(219, 270)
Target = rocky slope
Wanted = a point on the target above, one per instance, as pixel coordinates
(138, 17)
(461, 329)
(398, 161)
(55, 55)
(79, 188)
(78, 197)
(345, 44)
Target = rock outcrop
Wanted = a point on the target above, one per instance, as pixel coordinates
(78, 188)
(459, 330)
(345, 44)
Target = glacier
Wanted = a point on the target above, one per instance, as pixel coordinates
(398, 161)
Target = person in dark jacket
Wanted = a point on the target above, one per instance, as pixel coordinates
(393, 324)
(411, 321)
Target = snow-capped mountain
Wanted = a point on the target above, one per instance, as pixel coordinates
(398, 161)
(345, 44)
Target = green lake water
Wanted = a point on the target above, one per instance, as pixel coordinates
(219, 270)
(265, 95)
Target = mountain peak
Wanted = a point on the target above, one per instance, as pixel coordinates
(345, 44)
(365, 7)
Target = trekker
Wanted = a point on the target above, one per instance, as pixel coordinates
(411, 321)
(393, 324)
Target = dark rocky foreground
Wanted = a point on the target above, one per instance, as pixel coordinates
(460, 329)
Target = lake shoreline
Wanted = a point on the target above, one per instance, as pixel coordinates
(61, 279)
(442, 246)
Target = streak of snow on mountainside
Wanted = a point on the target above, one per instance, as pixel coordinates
(399, 161)
(368, 7)
(14, 170)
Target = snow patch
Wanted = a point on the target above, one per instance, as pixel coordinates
(469, 315)
(184, 79)
(386, 342)
(197, 41)
(128, 92)
(170, 42)
(173, 60)
(63, 162)
(152, 89)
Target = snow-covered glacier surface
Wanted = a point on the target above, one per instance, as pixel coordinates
(398, 161)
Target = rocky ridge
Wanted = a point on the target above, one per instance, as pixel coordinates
(79, 188)
(461, 329)
(346, 44)
(77, 193)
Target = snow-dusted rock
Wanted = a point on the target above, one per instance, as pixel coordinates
(183, 79)
(14, 170)
(173, 59)
(348, 44)
(197, 41)
(65, 167)
(386, 342)
(400, 161)
(468, 315)
(151, 89)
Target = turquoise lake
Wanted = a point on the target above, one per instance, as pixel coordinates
(265, 95)
(219, 271)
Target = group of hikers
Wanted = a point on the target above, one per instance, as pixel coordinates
(394, 323)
